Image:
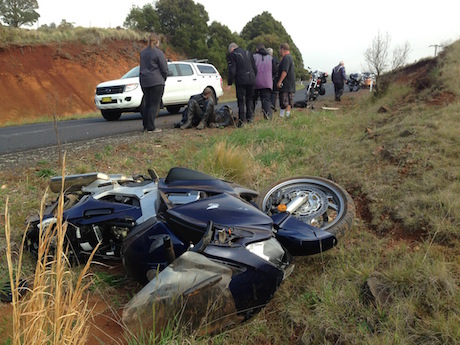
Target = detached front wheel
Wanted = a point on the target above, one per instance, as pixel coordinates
(315, 201)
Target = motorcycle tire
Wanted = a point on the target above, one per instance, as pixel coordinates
(356, 87)
(329, 206)
(322, 90)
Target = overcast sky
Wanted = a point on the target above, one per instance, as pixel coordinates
(325, 31)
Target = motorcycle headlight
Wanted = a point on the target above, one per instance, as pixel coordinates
(269, 250)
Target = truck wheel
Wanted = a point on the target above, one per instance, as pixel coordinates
(173, 109)
(111, 115)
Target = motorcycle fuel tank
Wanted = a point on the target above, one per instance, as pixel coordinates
(189, 221)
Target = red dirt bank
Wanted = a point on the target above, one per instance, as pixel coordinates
(60, 79)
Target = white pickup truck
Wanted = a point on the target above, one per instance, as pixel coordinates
(185, 79)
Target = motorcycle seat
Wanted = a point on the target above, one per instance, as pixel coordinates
(179, 174)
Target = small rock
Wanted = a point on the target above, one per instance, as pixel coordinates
(375, 292)
(406, 133)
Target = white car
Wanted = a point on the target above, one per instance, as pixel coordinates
(185, 79)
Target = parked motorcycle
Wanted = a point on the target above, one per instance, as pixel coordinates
(368, 80)
(316, 86)
(190, 233)
(354, 81)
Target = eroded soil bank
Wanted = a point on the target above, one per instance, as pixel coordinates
(60, 79)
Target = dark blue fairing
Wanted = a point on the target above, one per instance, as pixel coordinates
(300, 238)
(144, 250)
(254, 280)
(90, 211)
(262, 287)
(189, 221)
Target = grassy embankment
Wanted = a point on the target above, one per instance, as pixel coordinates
(400, 165)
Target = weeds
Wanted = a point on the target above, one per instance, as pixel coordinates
(10, 35)
(54, 310)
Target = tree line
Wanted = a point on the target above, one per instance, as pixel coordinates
(183, 24)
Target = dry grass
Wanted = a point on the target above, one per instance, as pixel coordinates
(21, 37)
(55, 308)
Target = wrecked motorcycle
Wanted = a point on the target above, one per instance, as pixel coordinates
(190, 232)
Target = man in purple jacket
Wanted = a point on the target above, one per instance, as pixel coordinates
(266, 68)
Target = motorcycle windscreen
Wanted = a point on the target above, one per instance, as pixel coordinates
(189, 221)
(192, 292)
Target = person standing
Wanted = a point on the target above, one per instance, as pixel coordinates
(264, 80)
(274, 93)
(286, 81)
(339, 77)
(152, 76)
(242, 70)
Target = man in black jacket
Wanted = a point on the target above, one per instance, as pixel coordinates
(198, 110)
(242, 70)
(339, 77)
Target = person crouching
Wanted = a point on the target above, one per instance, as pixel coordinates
(198, 110)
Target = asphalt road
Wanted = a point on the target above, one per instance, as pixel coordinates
(41, 135)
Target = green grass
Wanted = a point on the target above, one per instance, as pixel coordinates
(401, 167)
(20, 37)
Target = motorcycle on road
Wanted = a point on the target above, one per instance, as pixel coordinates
(354, 81)
(316, 87)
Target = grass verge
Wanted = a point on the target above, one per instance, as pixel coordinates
(394, 279)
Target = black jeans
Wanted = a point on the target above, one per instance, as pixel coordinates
(338, 89)
(265, 100)
(152, 102)
(245, 98)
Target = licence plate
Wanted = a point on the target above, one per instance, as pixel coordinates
(106, 100)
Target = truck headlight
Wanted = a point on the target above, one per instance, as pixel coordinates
(131, 87)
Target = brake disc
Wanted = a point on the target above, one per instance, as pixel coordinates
(316, 205)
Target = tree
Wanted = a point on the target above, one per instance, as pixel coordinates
(263, 24)
(144, 19)
(400, 55)
(219, 38)
(64, 25)
(185, 25)
(263, 28)
(19, 12)
(377, 57)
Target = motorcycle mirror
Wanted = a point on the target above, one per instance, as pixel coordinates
(153, 174)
